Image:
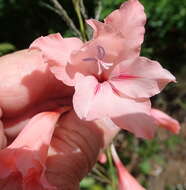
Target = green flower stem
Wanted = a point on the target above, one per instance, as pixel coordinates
(98, 9)
(76, 4)
(58, 9)
(83, 9)
(101, 175)
(111, 169)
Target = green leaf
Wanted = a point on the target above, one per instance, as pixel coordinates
(87, 182)
(6, 48)
(145, 167)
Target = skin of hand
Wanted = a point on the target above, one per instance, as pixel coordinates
(27, 87)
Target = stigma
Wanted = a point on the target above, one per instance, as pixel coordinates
(98, 59)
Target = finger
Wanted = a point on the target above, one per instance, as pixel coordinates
(13, 126)
(26, 80)
(22, 162)
(74, 150)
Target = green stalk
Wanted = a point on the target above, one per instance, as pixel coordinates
(101, 175)
(76, 4)
(111, 169)
(59, 9)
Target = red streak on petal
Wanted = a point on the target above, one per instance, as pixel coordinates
(123, 76)
(114, 89)
(98, 86)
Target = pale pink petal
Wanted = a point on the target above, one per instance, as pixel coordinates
(125, 180)
(64, 75)
(100, 29)
(57, 51)
(85, 60)
(129, 20)
(140, 124)
(109, 128)
(82, 62)
(112, 41)
(93, 100)
(140, 77)
(24, 160)
(123, 30)
(165, 121)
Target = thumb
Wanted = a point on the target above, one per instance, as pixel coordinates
(74, 149)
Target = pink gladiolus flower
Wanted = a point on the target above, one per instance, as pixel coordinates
(126, 181)
(109, 77)
(165, 121)
(22, 164)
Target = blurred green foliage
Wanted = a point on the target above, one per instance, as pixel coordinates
(6, 47)
(23, 21)
(148, 155)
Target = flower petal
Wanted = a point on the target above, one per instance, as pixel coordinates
(24, 159)
(82, 62)
(165, 121)
(111, 40)
(140, 124)
(129, 20)
(126, 181)
(93, 100)
(105, 48)
(124, 28)
(64, 74)
(57, 51)
(140, 77)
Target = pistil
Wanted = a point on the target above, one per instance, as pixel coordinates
(99, 60)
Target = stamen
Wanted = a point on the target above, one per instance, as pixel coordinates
(90, 59)
(101, 52)
(99, 60)
(105, 65)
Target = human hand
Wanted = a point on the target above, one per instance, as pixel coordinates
(27, 87)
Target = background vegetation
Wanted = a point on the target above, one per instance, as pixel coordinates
(21, 21)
